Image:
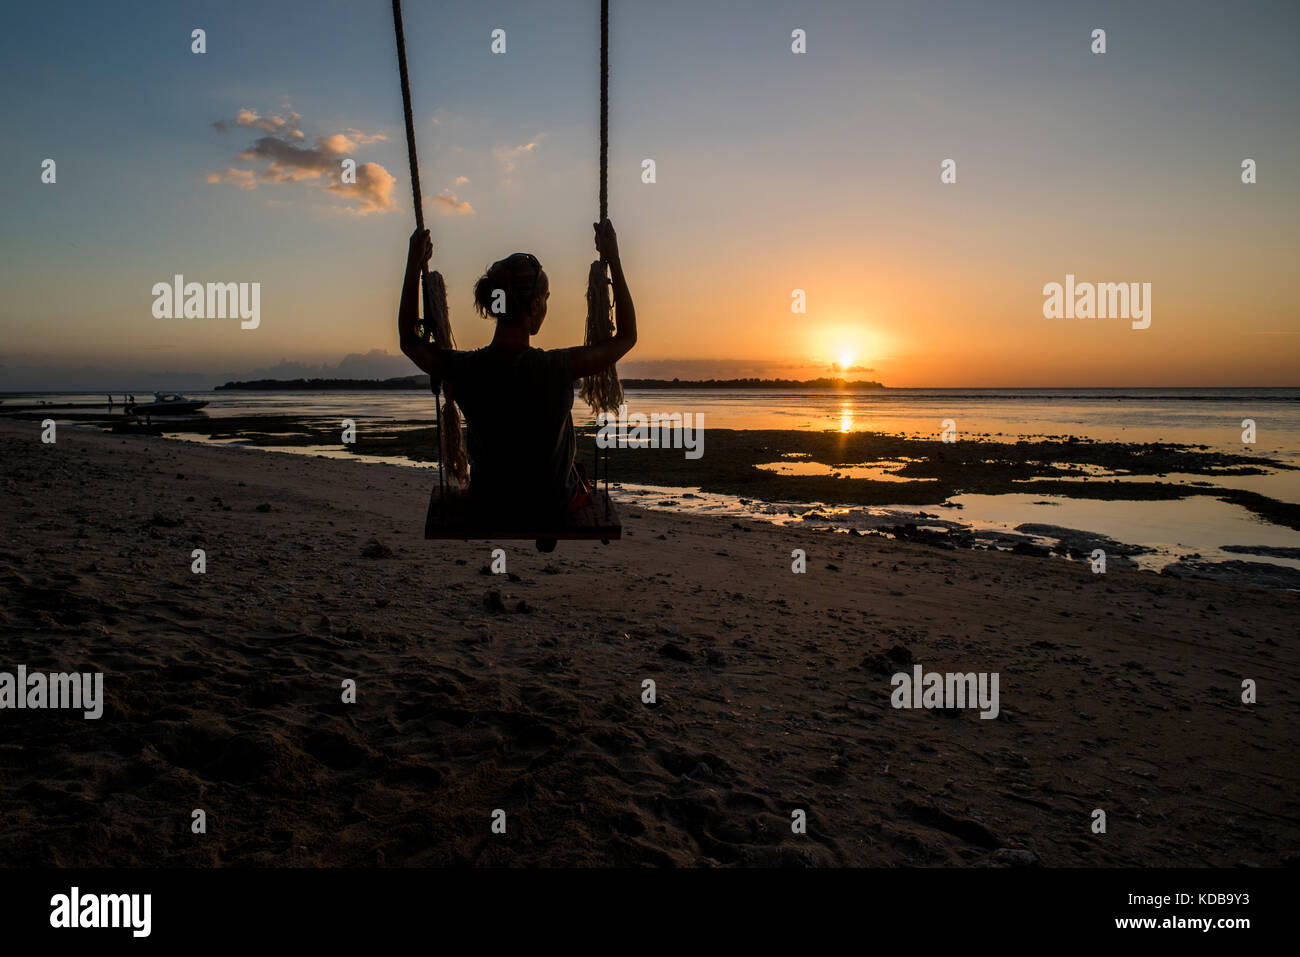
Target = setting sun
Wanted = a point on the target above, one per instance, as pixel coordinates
(846, 360)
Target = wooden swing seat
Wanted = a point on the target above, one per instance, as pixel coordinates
(459, 520)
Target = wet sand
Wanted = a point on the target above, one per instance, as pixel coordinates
(523, 692)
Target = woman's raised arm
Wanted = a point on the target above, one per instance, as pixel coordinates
(588, 360)
(423, 353)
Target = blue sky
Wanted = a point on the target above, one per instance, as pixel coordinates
(775, 172)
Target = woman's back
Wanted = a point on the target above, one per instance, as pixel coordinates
(521, 440)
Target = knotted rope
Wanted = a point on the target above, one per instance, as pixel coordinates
(603, 391)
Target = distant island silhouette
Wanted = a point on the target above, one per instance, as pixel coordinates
(422, 382)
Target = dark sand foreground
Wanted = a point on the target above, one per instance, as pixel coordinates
(477, 692)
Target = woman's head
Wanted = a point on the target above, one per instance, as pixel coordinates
(514, 289)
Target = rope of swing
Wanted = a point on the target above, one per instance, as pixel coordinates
(604, 170)
(410, 121)
(414, 164)
(419, 209)
(450, 451)
(604, 110)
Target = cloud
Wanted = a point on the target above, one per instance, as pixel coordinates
(338, 143)
(373, 189)
(719, 369)
(243, 178)
(375, 364)
(509, 156)
(289, 160)
(484, 149)
(290, 163)
(195, 374)
(449, 202)
(270, 124)
(365, 139)
(836, 367)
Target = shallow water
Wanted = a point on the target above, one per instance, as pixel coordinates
(884, 471)
(1171, 529)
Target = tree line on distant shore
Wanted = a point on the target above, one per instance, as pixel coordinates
(422, 382)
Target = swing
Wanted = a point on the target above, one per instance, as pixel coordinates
(450, 514)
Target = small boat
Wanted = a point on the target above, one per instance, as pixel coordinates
(169, 403)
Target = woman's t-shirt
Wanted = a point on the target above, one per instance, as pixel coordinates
(521, 440)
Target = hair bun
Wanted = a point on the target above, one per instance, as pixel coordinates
(516, 274)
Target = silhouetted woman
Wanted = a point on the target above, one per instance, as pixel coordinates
(517, 399)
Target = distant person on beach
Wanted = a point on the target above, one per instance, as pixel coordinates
(517, 399)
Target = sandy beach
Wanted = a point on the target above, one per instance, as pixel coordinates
(523, 691)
